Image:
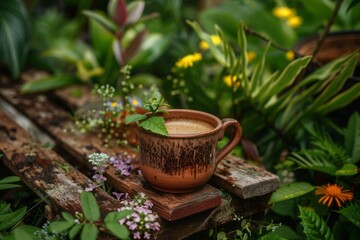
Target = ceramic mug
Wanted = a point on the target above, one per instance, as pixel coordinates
(186, 159)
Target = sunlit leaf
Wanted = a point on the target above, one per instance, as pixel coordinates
(293, 190)
(155, 124)
(49, 83)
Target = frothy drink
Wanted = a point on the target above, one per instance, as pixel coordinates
(181, 126)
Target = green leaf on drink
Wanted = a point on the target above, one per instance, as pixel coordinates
(134, 118)
(156, 125)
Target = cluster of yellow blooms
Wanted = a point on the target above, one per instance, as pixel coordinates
(289, 15)
(188, 60)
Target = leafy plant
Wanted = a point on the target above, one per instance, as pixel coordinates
(314, 226)
(269, 105)
(14, 35)
(352, 213)
(290, 191)
(152, 123)
(86, 224)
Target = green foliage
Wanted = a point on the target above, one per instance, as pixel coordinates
(352, 213)
(48, 83)
(9, 219)
(352, 137)
(14, 34)
(86, 225)
(314, 226)
(329, 157)
(290, 191)
(89, 206)
(8, 182)
(152, 123)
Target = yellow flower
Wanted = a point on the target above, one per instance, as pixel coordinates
(283, 12)
(188, 60)
(215, 39)
(251, 55)
(294, 21)
(290, 55)
(332, 192)
(113, 104)
(231, 81)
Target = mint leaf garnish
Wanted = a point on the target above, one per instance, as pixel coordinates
(134, 118)
(155, 124)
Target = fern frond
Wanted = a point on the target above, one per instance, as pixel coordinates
(352, 212)
(314, 160)
(314, 226)
(335, 152)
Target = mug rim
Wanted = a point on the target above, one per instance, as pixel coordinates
(217, 128)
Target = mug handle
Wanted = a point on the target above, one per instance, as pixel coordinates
(228, 122)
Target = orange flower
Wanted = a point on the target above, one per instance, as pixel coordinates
(331, 192)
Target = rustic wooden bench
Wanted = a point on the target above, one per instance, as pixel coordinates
(248, 187)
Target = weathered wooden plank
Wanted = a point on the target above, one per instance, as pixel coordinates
(54, 120)
(41, 171)
(243, 179)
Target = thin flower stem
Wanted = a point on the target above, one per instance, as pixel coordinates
(328, 25)
(328, 216)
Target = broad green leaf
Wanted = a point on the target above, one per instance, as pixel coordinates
(118, 230)
(352, 212)
(283, 232)
(90, 206)
(155, 124)
(103, 20)
(101, 39)
(74, 231)
(48, 83)
(314, 226)
(134, 118)
(338, 82)
(14, 34)
(4, 186)
(10, 219)
(67, 216)
(341, 100)
(60, 226)
(89, 232)
(352, 137)
(116, 216)
(291, 191)
(10, 179)
(25, 232)
(348, 169)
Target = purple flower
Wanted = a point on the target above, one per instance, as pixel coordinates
(137, 235)
(122, 164)
(118, 195)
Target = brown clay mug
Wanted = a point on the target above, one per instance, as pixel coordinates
(186, 159)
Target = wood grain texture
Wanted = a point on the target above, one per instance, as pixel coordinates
(54, 120)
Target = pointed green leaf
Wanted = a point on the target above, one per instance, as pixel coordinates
(89, 232)
(103, 20)
(4, 186)
(90, 206)
(259, 71)
(341, 100)
(10, 219)
(155, 124)
(10, 179)
(352, 137)
(291, 191)
(286, 78)
(338, 82)
(314, 226)
(134, 118)
(48, 83)
(118, 230)
(60, 226)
